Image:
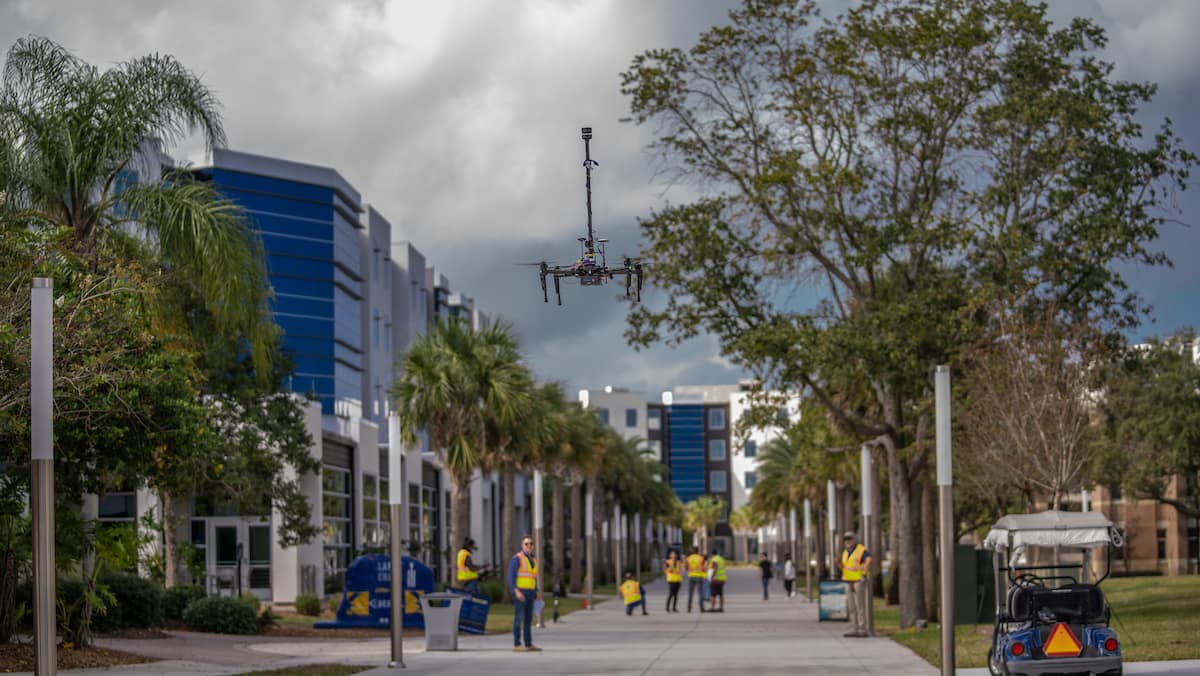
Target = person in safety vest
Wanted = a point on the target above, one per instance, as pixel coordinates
(717, 563)
(523, 585)
(633, 594)
(468, 572)
(673, 571)
(856, 565)
(697, 570)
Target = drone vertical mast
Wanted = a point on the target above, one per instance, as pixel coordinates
(587, 166)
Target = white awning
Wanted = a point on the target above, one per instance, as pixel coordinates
(1050, 528)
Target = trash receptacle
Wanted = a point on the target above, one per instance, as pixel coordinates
(441, 620)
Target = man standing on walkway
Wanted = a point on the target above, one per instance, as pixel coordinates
(468, 572)
(855, 563)
(522, 582)
(697, 574)
(789, 575)
(717, 585)
(765, 565)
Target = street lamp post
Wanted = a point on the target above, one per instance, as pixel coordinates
(589, 532)
(868, 510)
(396, 508)
(41, 446)
(537, 533)
(945, 513)
(808, 562)
(831, 502)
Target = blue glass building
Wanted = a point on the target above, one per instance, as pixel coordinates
(309, 219)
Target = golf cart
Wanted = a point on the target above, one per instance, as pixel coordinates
(1048, 621)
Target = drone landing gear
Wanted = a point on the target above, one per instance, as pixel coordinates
(557, 290)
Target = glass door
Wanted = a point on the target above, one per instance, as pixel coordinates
(259, 540)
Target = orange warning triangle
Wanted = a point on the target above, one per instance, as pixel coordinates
(1062, 643)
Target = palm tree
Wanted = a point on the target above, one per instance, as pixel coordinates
(702, 515)
(454, 382)
(75, 149)
(743, 521)
(583, 455)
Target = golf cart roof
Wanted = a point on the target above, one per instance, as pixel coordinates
(1049, 529)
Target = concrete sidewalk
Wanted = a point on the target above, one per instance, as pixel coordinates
(780, 636)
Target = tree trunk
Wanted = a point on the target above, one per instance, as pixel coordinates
(912, 592)
(578, 521)
(460, 527)
(557, 540)
(929, 560)
(893, 553)
(170, 540)
(508, 522)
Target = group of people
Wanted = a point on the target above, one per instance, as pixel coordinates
(522, 582)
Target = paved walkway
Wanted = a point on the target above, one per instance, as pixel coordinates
(781, 636)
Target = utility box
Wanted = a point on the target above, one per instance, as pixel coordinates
(974, 586)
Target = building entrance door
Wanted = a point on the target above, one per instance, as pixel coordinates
(239, 559)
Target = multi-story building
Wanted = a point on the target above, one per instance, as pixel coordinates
(691, 429)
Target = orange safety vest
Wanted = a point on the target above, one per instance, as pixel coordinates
(630, 591)
(695, 563)
(465, 574)
(852, 568)
(526, 572)
(673, 572)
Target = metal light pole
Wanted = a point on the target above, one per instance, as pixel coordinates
(808, 563)
(616, 531)
(945, 513)
(1085, 506)
(41, 400)
(868, 510)
(637, 544)
(396, 490)
(831, 501)
(589, 532)
(792, 548)
(537, 533)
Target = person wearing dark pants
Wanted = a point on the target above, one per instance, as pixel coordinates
(522, 583)
(632, 594)
(673, 571)
(697, 576)
(765, 564)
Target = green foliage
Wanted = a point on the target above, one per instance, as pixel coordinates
(308, 604)
(267, 618)
(493, 589)
(78, 603)
(137, 603)
(1152, 424)
(251, 599)
(221, 615)
(175, 599)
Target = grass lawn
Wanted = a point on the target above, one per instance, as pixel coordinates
(1156, 618)
(313, 670)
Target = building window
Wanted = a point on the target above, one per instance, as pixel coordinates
(602, 413)
(716, 481)
(655, 446)
(716, 418)
(782, 418)
(338, 524)
(654, 419)
(414, 520)
(371, 532)
(631, 417)
(716, 449)
(115, 507)
(751, 479)
(1161, 534)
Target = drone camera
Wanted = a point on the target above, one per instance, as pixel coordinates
(587, 133)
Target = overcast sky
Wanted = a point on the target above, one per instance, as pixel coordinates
(459, 120)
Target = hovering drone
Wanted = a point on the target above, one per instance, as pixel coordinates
(590, 268)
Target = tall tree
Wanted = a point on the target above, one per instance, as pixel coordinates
(702, 515)
(912, 161)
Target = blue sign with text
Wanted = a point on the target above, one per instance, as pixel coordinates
(367, 598)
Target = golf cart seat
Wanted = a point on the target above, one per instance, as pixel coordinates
(1075, 602)
(1020, 602)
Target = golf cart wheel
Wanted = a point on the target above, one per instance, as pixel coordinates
(996, 664)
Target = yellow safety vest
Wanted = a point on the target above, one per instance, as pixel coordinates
(719, 575)
(630, 591)
(465, 574)
(852, 568)
(695, 564)
(673, 572)
(526, 572)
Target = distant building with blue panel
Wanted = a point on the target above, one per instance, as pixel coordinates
(685, 434)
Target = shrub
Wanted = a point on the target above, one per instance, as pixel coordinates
(308, 604)
(267, 619)
(176, 599)
(251, 599)
(138, 603)
(221, 615)
(493, 589)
